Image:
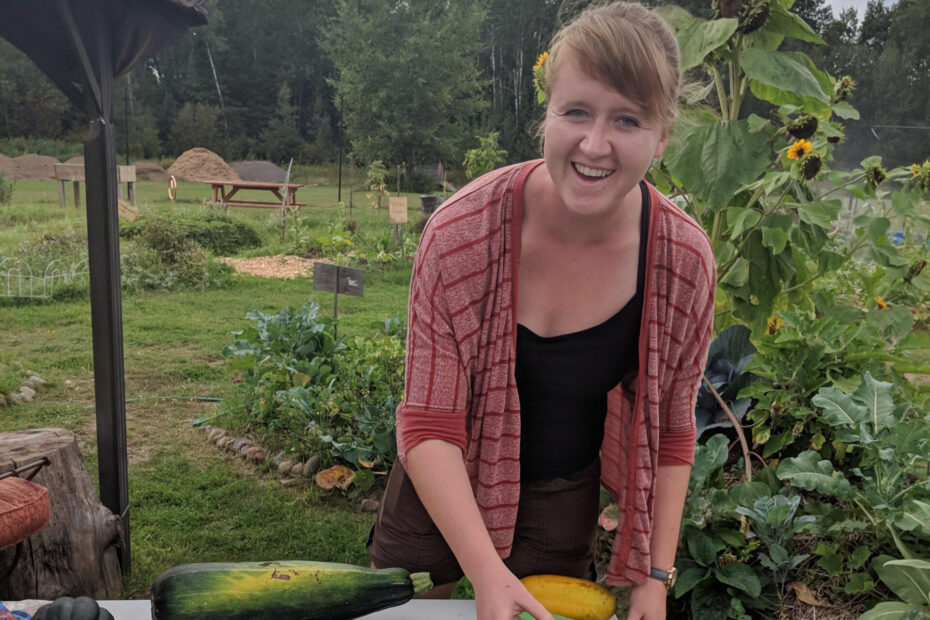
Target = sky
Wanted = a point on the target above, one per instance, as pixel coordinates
(859, 5)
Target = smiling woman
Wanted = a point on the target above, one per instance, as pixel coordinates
(559, 318)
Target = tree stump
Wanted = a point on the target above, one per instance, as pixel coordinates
(76, 553)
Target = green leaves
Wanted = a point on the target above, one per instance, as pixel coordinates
(714, 158)
(908, 579)
(740, 576)
(784, 78)
(872, 404)
(697, 37)
(810, 472)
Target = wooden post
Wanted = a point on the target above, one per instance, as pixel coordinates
(61, 193)
(77, 194)
(76, 552)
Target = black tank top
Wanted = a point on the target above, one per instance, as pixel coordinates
(563, 382)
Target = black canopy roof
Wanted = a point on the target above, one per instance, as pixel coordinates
(83, 46)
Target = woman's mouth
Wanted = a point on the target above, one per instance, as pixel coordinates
(592, 173)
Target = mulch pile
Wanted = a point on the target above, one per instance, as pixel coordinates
(199, 164)
(7, 167)
(264, 171)
(29, 167)
(150, 171)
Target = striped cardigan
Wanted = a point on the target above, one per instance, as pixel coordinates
(461, 347)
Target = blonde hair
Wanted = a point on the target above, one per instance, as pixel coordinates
(628, 47)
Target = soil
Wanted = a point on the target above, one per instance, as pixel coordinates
(279, 266)
(7, 167)
(150, 171)
(33, 167)
(76, 160)
(264, 171)
(200, 164)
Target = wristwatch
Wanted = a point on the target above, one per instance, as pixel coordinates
(667, 577)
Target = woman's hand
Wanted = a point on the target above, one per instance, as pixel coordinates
(499, 595)
(647, 601)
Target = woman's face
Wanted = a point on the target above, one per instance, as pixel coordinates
(598, 143)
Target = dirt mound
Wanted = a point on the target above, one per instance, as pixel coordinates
(264, 171)
(199, 164)
(76, 160)
(150, 171)
(7, 167)
(33, 167)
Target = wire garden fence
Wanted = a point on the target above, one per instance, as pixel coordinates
(17, 278)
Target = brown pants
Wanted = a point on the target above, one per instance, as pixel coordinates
(555, 532)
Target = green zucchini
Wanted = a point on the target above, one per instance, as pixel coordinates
(291, 590)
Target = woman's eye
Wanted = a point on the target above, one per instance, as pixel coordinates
(628, 121)
(574, 112)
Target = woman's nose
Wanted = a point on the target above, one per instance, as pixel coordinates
(595, 142)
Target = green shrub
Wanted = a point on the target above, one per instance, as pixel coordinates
(306, 392)
(217, 232)
(6, 190)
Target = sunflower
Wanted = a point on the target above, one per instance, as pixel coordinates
(541, 60)
(799, 149)
(915, 169)
(539, 77)
(881, 303)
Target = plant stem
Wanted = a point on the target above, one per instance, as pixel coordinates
(721, 93)
(736, 425)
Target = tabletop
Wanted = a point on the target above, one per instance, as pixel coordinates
(252, 184)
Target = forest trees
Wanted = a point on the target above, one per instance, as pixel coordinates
(408, 76)
(418, 80)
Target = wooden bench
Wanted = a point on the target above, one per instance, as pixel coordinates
(75, 174)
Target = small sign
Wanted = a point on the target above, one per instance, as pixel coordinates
(397, 208)
(128, 211)
(338, 279)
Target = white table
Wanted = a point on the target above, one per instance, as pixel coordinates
(413, 610)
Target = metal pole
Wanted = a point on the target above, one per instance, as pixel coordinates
(336, 302)
(341, 141)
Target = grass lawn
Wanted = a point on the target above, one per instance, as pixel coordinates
(189, 502)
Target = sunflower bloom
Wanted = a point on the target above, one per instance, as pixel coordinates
(881, 303)
(915, 169)
(799, 149)
(541, 60)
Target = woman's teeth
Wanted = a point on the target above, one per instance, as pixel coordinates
(595, 173)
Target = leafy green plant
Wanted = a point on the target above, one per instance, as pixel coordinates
(376, 181)
(720, 586)
(6, 190)
(729, 355)
(486, 157)
(890, 491)
(802, 351)
(776, 523)
(910, 581)
(748, 180)
(317, 395)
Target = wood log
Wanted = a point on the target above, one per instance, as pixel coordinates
(76, 553)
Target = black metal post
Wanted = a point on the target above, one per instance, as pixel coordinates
(341, 142)
(105, 294)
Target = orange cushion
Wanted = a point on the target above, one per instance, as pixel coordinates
(24, 510)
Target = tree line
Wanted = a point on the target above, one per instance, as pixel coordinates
(418, 81)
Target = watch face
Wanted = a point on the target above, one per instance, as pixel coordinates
(672, 577)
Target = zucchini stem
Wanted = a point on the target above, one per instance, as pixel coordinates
(421, 583)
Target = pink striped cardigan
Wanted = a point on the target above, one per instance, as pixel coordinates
(461, 347)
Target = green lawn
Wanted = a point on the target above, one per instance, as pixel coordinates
(188, 501)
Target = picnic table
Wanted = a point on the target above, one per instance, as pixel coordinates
(224, 190)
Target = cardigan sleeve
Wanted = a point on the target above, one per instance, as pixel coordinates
(435, 384)
(677, 429)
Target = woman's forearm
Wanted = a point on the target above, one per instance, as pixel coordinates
(438, 474)
(671, 490)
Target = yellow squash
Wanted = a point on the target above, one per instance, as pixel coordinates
(579, 599)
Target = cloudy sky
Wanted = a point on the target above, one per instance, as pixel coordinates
(859, 5)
